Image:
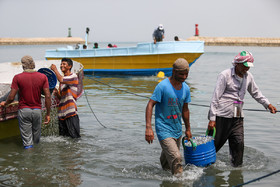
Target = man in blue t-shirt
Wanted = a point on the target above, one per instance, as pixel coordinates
(171, 97)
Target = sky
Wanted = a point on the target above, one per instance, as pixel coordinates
(135, 20)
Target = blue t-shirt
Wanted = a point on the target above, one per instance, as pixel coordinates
(169, 106)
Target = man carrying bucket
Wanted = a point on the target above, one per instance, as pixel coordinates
(171, 97)
(226, 106)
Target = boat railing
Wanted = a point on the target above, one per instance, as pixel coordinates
(140, 49)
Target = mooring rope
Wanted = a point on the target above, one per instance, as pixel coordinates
(257, 179)
(92, 111)
(255, 110)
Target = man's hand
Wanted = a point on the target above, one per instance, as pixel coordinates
(211, 125)
(188, 134)
(149, 135)
(272, 109)
(47, 119)
(3, 103)
(53, 67)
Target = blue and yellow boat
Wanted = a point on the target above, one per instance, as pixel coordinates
(144, 59)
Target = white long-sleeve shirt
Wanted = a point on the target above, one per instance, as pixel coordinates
(230, 88)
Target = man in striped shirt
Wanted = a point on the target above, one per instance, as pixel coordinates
(69, 123)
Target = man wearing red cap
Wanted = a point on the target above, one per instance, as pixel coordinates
(226, 112)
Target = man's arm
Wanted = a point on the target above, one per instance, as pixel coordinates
(47, 104)
(149, 134)
(10, 98)
(186, 119)
(58, 76)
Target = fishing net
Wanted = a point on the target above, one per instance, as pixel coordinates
(50, 129)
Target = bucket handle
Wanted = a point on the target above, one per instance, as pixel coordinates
(191, 140)
(214, 132)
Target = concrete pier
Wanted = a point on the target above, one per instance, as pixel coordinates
(209, 41)
(41, 41)
(237, 41)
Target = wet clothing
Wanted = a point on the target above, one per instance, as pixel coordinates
(230, 129)
(69, 124)
(171, 158)
(30, 126)
(169, 106)
(70, 127)
(30, 86)
(158, 35)
(168, 122)
(229, 89)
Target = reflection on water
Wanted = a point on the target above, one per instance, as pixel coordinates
(119, 155)
(48, 163)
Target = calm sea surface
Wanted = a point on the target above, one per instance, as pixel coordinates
(118, 154)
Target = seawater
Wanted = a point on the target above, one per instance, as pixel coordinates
(119, 154)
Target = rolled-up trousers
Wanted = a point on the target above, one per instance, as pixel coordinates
(171, 158)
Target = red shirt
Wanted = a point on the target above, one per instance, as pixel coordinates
(30, 86)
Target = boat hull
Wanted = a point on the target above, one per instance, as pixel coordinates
(133, 65)
(145, 59)
(9, 128)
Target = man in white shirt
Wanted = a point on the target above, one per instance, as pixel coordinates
(226, 106)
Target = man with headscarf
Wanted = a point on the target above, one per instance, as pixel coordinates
(29, 85)
(158, 34)
(226, 112)
(171, 97)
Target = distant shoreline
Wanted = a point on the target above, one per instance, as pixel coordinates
(41, 41)
(237, 41)
(209, 41)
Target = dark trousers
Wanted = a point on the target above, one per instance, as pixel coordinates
(70, 127)
(231, 129)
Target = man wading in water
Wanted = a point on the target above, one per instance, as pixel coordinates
(171, 97)
(69, 123)
(226, 107)
(29, 85)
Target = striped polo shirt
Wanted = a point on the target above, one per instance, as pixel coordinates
(68, 92)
